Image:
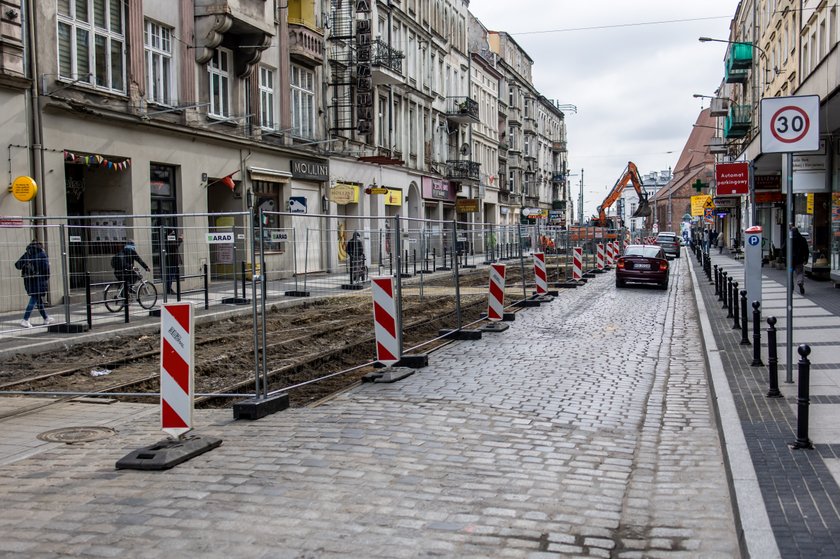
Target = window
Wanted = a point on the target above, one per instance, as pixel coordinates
(91, 42)
(219, 70)
(303, 102)
(267, 98)
(267, 199)
(158, 40)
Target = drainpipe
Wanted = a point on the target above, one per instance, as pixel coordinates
(37, 131)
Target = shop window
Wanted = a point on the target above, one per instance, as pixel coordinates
(267, 199)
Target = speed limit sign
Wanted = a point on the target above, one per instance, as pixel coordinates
(790, 124)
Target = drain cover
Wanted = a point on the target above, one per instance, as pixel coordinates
(72, 435)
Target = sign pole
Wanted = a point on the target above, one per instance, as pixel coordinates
(789, 262)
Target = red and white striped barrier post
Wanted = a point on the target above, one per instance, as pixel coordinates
(577, 263)
(616, 250)
(599, 261)
(386, 321)
(177, 368)
(608, 248)
(496, 293)
(540, 277)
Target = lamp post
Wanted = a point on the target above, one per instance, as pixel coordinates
(580, 200)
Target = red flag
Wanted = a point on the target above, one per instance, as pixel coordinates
(228, 182)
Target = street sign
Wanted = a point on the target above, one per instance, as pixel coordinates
(531, 212)
(732, 178)
(790, 124)
(220, 238)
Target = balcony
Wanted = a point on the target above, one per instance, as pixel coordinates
(740, 56)
(462, 169)
(738, 121)
(719, 107)
(250, 22)
(462, 110)
(717, 145)
(558, 146)
(306, 44)
(386, 63)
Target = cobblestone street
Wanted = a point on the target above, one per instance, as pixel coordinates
(585, 429)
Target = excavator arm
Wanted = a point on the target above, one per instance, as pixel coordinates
(630, 175)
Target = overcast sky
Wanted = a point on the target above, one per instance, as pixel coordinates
(632, 83)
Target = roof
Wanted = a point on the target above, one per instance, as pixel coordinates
(695, 161)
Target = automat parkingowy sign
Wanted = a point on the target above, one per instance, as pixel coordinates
(732, 178)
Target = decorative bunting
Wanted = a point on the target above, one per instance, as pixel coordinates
(96, 160)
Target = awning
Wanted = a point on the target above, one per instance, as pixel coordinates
(269, 175)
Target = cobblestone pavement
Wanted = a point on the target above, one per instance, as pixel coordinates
(586, 429)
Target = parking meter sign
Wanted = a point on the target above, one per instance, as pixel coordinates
(790, 124)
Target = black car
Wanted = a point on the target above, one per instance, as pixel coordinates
(670, 243)
(642, 264)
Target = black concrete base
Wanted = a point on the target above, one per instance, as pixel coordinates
(257, 408)
(527, 303)
(296, 294)
(550, 293)
(66, 328)
(468, 266)
(352, 286)
(543, 298)
(167, 453)
(235, 301)
(154, 312)
(589, 275)
(506, 316)
(460, 334)
(494, 327)
(426, 271)
(443, 269)
(598, 271)
(391, 374)
(565, 284)
(413, 361)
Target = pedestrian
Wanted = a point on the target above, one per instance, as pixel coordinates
(173, 259)
(34, 266)
(706, 238)
(356, 253)
(713, 238)
(799, 256)
(123, 264)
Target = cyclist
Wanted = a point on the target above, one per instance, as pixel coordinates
(356, 253)
(123, 264)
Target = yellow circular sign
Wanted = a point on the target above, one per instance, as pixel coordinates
(24, 189)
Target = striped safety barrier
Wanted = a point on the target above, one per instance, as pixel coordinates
(616, 250)
(496, 292)
(599, 259)
(608, 248)
(386, 321)
(577, 263)
(177, 368)
(540, 278)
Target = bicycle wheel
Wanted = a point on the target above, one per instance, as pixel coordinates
(113, 297)
(147, 295)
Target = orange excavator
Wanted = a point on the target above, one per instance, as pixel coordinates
(630, 175)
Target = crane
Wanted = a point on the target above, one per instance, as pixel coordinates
(630, 175)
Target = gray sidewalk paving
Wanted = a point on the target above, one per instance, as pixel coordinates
(799, 488)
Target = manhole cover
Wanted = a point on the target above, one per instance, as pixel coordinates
(72, 435)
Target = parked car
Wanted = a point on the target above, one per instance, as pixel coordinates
(670, 243)
(643, 264)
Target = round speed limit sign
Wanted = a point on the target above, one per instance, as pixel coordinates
(790, 124)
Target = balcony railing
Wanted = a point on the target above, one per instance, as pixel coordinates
(305, 42)
(385, 56)
(462, 169)
(462, 109)
(740, 56)
(737, 123)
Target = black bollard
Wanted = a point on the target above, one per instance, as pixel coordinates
(729, 297)
(745, 329)
(717, 281)
(736, 323)
(773, 359)
(724, 287)
(756, 362)
(803, 400)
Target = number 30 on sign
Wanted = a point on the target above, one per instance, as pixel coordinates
(790, 124)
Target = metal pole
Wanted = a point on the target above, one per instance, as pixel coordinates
(305, 258)
(789, 262)
(162, 258)
(254, 306)
(772, 359)
(398, 294)
(756, 362)
(745, 338)
(262, 304)
(65, 277)
(521, 261)
(455, 274)
(803, 400)
(736, 323)
(294, 256)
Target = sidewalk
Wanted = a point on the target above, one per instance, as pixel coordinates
(799, 487)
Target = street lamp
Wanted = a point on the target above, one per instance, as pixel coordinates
(748, 43)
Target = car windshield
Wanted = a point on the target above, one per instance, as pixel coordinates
(646, 251)
(667, 238)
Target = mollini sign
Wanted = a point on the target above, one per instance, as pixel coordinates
(364, 81)
(310, 170)
(732, 178)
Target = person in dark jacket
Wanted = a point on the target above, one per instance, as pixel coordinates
(123, 263)
(799, 256)
(356, 253)
(173, 259)
(34, 266)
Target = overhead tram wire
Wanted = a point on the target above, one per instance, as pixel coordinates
(619, 25)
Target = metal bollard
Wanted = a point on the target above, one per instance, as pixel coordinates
(756, 362)
(729, 297)
(745, 336)
(736, 323)
(803, 400)
(773, 359)
(723, 288)
(717, 281)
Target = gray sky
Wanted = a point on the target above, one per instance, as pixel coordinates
(632, 83)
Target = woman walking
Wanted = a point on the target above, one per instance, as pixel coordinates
(34, 266)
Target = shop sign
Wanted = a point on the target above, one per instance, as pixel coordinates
(466, 205)
(732, 178)
(769, 197)
(698, 204)
(343, 194)
(810, 172)
(438, 189)
(364, 78)
(311, 170)
(767, 182)
(393, 197)
(726, 202)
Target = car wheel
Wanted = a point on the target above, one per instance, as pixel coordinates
(664, 286)
(620, 283)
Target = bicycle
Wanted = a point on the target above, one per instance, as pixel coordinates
(359, 271)
(144, 292)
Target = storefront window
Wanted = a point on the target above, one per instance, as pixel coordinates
(267, 203)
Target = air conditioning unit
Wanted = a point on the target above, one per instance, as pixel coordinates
(717, 145)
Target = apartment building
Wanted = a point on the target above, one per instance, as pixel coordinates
(783, 48)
